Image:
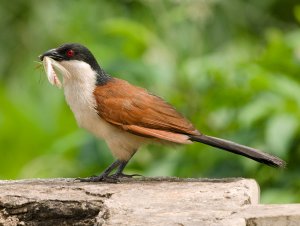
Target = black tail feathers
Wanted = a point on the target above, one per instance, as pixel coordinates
(248, 152)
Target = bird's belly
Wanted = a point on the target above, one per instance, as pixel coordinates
(122, 144)
(89, 120)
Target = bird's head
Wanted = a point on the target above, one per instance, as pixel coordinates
(76, 59)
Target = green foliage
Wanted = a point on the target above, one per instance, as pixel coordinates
(232, 67)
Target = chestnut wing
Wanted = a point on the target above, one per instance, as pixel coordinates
(139, 112)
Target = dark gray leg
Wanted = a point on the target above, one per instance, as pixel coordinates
(104, 176)
(119, 173)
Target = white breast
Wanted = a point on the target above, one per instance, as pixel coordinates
(79, 95)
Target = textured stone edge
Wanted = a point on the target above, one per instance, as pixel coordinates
(98, 204)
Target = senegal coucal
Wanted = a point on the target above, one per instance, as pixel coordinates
(124, 115)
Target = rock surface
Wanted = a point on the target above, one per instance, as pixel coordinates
(143, 201)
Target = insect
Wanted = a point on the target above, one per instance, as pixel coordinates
(51, 69)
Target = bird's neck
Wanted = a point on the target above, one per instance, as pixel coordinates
(102, 77)
(81, 83)
(79, 86)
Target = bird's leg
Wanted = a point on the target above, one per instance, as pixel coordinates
(104, 176)
(119, 173)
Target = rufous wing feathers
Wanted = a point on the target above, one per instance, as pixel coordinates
(141, 113)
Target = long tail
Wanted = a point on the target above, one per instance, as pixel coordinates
(235, 148)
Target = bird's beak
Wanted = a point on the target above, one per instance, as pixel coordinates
(52, 53)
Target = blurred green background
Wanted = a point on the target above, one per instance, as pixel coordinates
(231, 67)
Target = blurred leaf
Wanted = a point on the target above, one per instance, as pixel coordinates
(257, 109)
(280, 131)
(297, 12)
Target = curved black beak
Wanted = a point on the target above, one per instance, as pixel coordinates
(53, 54)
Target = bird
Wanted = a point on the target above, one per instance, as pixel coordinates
(126, 116)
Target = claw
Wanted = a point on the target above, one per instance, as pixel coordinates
(107, 179)
(120, 175)
(113, 178)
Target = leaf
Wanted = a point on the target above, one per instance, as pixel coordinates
(280, 131)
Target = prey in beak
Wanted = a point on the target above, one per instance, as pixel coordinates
(51, 62)
(50, 66)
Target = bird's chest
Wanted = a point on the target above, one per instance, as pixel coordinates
(82, 103)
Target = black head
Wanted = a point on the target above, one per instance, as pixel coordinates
(72, 51)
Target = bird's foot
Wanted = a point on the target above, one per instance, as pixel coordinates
(122, 175)
(100, 178)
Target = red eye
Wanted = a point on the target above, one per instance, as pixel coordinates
(70, 53)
